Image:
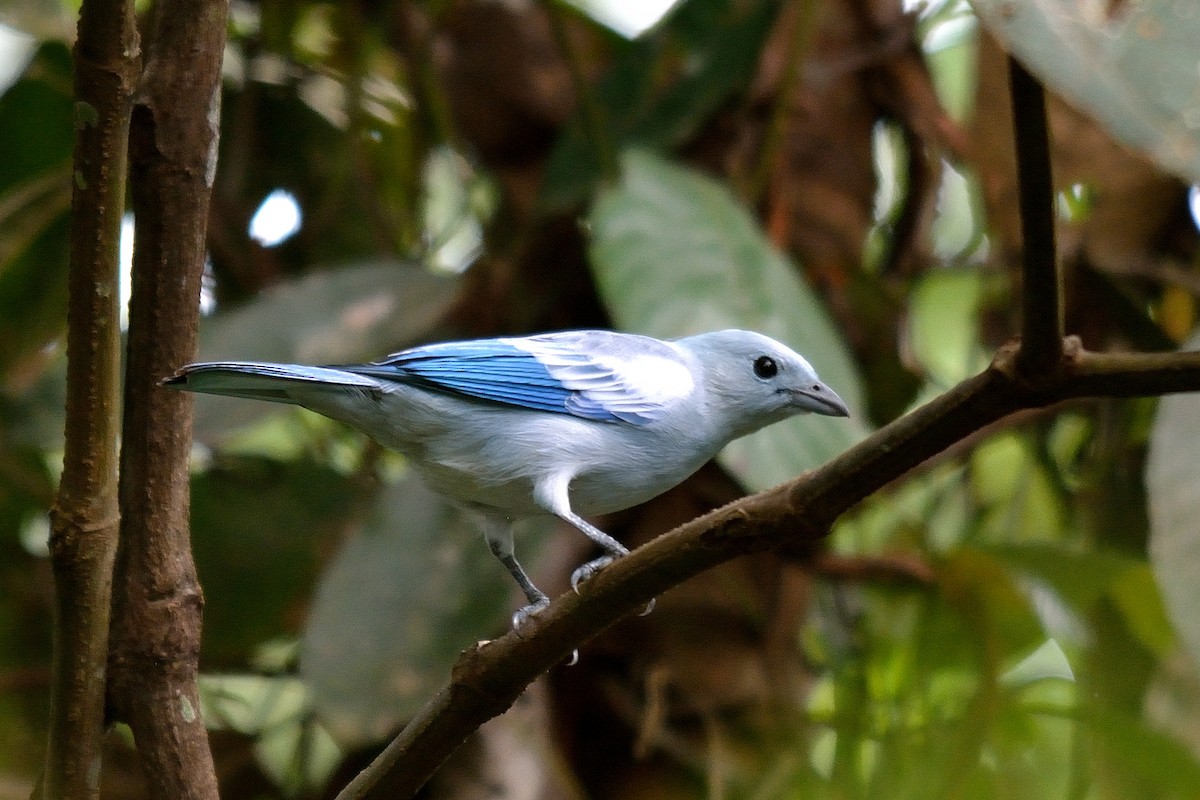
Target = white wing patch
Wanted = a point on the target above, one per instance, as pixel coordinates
(657, 380)
(633, 378)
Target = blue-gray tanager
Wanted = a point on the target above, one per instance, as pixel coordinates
(570, 424)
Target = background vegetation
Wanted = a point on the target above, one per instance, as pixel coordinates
(1019, 619)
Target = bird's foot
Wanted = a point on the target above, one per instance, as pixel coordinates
(525, 613)
(589, 569)
(586, 571)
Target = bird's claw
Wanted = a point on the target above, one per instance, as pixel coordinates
(525, 613)
(589, 569)
(586, 571)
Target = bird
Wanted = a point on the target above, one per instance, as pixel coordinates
(571, 424)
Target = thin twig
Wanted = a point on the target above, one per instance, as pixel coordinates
(1041, 293)
(488, 678)
(83, 519)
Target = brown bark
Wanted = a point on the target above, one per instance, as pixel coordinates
(155, 647)
(83, 535)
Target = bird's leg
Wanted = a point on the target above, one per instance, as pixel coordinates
(608, 544)
(611, 546)
(552, 494)
(500, 541)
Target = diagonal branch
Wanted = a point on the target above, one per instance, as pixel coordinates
(83, 534)
(1041, 276)
(488, 678)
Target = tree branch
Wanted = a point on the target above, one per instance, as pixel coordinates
(489, 677)
(887, 569)
(1041, 290)
(155, 649)
(84, 517)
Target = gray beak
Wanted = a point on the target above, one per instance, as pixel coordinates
(820, 399)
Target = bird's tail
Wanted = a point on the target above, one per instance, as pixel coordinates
(262, 381)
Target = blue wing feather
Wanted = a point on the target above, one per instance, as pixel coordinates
(568, 373)
(489, 370)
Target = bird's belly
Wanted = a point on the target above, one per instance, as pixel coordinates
(590, 493)
(511, 498)
(604, 482)
(607, 489)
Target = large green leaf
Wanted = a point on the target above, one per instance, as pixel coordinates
(675, 254)
(1132, 66)
(1173, 486)
(414, 587)
(337, 316)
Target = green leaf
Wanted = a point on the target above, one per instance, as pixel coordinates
(574, 166)
(1156, 758)
(721, 43)
(943, 322)
(981, 588)
(1018, 494)
(405, 595)
(1137, 596)
(251, 704)
(674, 254)
(292, 748)
(356, 313)
(1132, 66)
(930, 510)
(949, 45)
(1079, 577)
(35, 195)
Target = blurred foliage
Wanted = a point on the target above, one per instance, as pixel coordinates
(1017, 620)
(1128, 65)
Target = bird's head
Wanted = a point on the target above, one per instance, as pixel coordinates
(758, 380)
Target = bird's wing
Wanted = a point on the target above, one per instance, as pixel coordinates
(597, 375)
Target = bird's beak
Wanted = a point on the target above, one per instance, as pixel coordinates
(819, 399)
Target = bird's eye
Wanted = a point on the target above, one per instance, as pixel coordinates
(765, 367)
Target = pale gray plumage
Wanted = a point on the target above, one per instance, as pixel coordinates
(569, 424)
